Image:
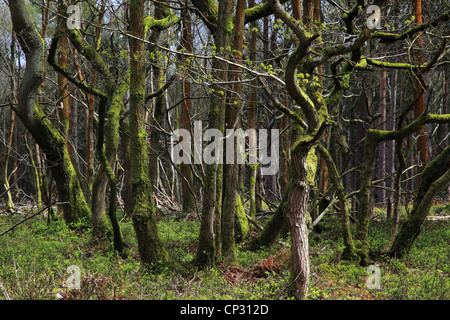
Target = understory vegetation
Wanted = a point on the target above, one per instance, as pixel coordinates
(36, 255)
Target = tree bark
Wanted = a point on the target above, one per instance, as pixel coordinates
(381, 163)
(150, 247)
(251, 121)
(233, 123)
(210, 238)
(419, 108)
(188, 204)
(46, 135)
(298, 201)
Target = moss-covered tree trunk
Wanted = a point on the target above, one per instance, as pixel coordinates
(373, 138)
(46, 135)
(233, 123)
(151, 249)
(350, 250)
(251, 121)
(435, 176)
(210, 239)
(278, 221)
(100, 182)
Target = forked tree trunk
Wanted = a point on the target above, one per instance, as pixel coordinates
(100, 182)
(373, 138)
(46, 135)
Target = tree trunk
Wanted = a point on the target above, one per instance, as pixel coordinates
(373, 138)
(150, 246)
(390, 153)
(89, 133)
(63, 92)
(298, 201)
(233, 123)
(434, 177)
(381, 164)
(100, 182)
(251, 121)
(210, 238)
(350, 250)
(188, 204)
(49, 139)
(5, 191)
(278, 221)
(419, 108)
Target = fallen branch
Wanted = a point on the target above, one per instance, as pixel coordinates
(261, 228)
(436, 218)
(256, 224)
(27, 218)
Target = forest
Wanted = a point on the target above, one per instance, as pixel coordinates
(224, 150)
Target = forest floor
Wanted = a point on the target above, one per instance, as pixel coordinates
(36, 255)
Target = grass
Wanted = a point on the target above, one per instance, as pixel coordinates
(35, 257)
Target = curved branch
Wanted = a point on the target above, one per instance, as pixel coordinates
(391, 37)
(294, 90)
(80, 84)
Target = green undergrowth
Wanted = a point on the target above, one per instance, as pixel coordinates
(35, 257)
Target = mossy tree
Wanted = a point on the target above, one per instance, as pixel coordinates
(218, 17)
(435, 177)
(373, 139)
(150, 246)
(210, 236)
(50, 140)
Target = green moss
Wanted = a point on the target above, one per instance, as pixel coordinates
(256, 10)
(77, 206)
(392, 65)
(229, 25)
(242, 226)
(160, 24)
(311, 166)
(93, 56)
(252, 200)
(362, 63)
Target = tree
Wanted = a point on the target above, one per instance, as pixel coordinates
(46, 135)
(419, 108)
(151, 248)
(341, 95)
(187, 179)
(210, 236)
(435, 176)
